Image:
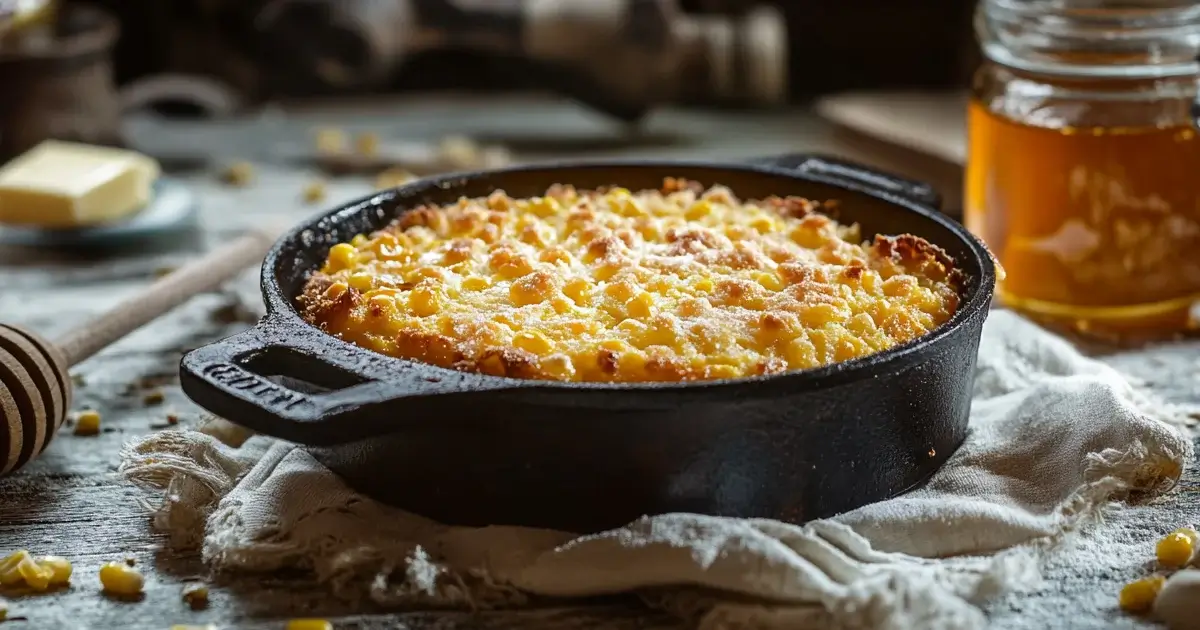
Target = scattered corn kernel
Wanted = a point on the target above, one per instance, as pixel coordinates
(172, 419)
(459, 151)
(35, 575)
(155, 397)
(1191, 534)
(1175, 550)
(9, 575)
(367, 144)
(314, 191)
(309, 624)
(3, 610)
(208, 626)
(87, 422)
(238, 174)
(196, 596)
(330, 141)
(120, 579)
(1139, 595)
(60, 569)
(392, 178)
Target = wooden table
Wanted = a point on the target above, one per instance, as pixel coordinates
(72, 503)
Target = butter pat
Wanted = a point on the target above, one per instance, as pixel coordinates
(62, 185)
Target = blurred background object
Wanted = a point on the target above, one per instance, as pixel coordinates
(622, 57)
(56, 73)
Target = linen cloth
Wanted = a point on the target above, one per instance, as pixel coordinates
(1054, 437)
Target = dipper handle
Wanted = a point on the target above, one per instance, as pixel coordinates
(35, 387)
(198, 276)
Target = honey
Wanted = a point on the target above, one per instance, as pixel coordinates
(1096, 226)
(1083, 162)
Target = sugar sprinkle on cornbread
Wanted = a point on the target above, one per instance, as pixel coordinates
(682, 283)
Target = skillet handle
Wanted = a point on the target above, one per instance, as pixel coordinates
(281, 381)
(854, 176)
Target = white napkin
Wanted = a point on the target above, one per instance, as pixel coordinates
(1054, 437)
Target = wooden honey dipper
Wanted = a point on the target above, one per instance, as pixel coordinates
(35, 386)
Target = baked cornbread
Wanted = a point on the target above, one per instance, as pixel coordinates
(675, 284)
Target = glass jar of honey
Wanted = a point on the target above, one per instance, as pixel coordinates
(1083, 172)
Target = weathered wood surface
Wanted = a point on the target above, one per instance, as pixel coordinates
(71, 502)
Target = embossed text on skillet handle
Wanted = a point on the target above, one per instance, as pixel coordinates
(284, 383)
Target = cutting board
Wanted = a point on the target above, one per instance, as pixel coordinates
(917, 135)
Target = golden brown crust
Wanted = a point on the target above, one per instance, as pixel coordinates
(681, 283)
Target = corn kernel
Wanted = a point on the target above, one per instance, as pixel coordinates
(208, 626)
(516, 268)
(806, 236)
(817, 315)
(3, 610)
(534, 342)
(154, 397)
(615, 345)
(639, 306)
(314, 191)
(120, 579)
(330, 141)
(633, 328)
(704, 285)
(367, 144)
(1190, 533)
(558, 365)
(544, 206)
(238, 174)
(424, 301)
(36, 576)
(196, 596)
(579, 290)
(899, 285)
(532, 289)
(622, 291)
(60, 569)
(9, 574)
(762, 224)
(87, 423)
(361, 282)
(627, 206)
(1175, 550)
(606, 270)
(341, 256)
(721, 371)
(474, 283)
(1139, 595)
(382, 305)
(309, 624)
(699, 210)
(392, 178)
(769, 280)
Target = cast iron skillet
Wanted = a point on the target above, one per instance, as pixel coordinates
(473, 449)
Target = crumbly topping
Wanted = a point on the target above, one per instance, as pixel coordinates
(682, 283)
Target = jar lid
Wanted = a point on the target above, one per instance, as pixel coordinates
(1092, 38)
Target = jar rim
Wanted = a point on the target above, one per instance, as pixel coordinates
(1099, 38)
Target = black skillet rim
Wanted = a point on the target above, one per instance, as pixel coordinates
(977, 292)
